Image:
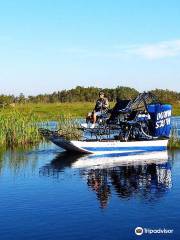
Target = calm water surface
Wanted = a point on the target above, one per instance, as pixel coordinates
(44, 195)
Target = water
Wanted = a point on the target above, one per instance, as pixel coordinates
(48, 194)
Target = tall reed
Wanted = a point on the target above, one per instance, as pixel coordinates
(174, 141)
(69, 128)
(18, 128)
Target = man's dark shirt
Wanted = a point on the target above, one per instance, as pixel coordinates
(102, 104)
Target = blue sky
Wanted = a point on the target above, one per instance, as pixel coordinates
(49, 45)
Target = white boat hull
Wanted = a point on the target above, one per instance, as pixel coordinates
(110, 147)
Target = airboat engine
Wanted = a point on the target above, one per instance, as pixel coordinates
(160, 119)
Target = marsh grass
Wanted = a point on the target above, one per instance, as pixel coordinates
(176, 109)
(18, 128)
(174, 142)
(68, 127)
(52, 111)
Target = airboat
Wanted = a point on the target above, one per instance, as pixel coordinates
(133, 127)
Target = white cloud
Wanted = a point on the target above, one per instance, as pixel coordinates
(157, 50)
(148, 51)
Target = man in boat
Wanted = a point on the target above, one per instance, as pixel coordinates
(101, 107)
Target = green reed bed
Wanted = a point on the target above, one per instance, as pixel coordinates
(174, 142)
(68, 127)
(18, 128)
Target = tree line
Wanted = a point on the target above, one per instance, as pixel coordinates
(88, 94)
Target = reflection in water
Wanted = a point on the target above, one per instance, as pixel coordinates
(98, 181)
(2, 151)
(58, 164)
(148, 182)
(19, 160)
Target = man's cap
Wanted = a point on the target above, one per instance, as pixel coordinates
(101, 93)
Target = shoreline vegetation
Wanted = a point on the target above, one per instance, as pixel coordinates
(19, 115)
(89, 94)
(52, 111)
(78, 101)
(20, 128)
(174, 141)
